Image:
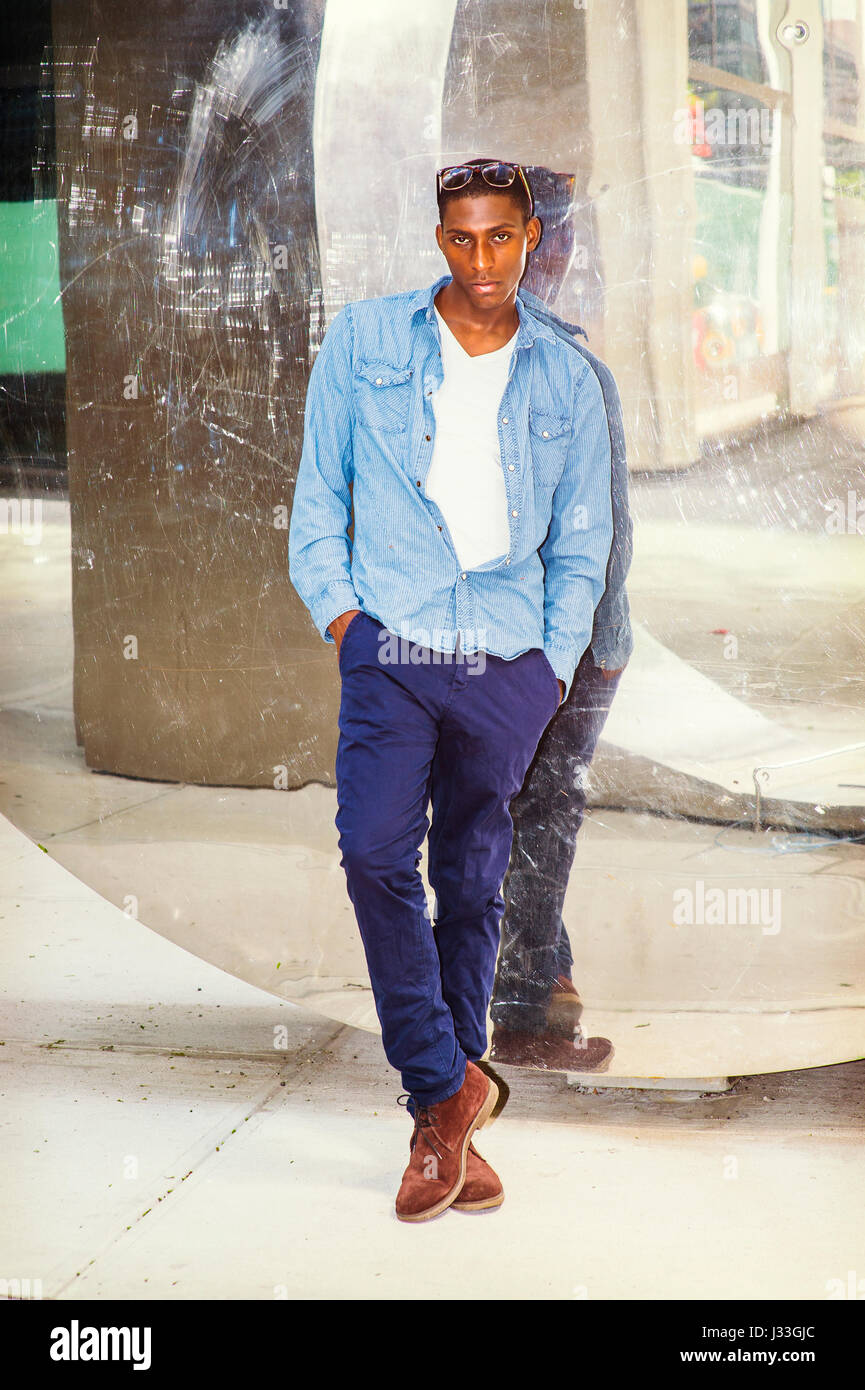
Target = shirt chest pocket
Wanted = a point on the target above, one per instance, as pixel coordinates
(382, 396)
(550, 438)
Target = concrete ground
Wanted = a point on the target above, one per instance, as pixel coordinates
(170, 1132)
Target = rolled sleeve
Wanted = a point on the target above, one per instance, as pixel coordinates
(576, 549)
(319, 552)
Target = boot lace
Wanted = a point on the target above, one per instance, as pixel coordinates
(424, 1120)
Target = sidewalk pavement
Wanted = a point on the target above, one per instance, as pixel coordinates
(170, 1132)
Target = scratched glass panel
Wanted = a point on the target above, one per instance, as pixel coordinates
(190, 194)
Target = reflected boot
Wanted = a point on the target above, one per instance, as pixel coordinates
(550, 1051)
(565, 1008)
(482, 1187)
(436, 1171)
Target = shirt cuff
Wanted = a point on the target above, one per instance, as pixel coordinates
(612, 647)
(337, 598)
(564, 666)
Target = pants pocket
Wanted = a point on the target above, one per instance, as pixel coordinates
(553, 677)
(347, 635)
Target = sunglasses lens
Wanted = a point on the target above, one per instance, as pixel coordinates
(457, 177)
(499, 175)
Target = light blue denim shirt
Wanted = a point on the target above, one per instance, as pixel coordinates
(367, 443)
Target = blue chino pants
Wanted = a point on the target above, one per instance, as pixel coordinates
(455, 733)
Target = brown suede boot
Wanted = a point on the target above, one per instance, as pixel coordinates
(565, 1008)
(549, 1052)
(482, 1187)
(439, 1147)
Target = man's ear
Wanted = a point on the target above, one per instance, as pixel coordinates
(534, 223)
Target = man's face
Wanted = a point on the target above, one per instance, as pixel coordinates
(485, 245)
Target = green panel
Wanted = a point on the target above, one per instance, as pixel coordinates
(728, 234)
(31, 316)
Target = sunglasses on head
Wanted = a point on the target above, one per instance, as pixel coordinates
(496, 173)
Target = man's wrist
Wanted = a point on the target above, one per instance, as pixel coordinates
(336, 600)
(339, 625)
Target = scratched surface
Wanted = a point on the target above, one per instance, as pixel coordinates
(229, 175)
(188, 347)
(226, 181)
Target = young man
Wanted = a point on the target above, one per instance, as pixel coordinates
(472, 441)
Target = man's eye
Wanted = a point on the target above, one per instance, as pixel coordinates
(458, 238)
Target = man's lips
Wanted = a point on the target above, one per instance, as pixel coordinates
(484, 284)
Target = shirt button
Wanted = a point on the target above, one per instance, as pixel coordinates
(418, 482)
(545, 433)
(507, 562)
(504, 419)
(462, 576)
(427, 436)
(510, 468)
(378, 381)
(514, 513)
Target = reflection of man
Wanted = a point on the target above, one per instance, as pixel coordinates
(536, 1009)
(473, 442)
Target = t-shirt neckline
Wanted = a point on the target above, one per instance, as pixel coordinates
(474, 357)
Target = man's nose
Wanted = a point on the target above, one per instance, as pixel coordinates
(482, 260)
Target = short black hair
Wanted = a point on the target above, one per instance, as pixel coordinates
(479, 188)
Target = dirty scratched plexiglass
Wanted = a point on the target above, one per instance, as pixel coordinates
(198, 191)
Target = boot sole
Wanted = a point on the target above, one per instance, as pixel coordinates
(602, 1066)
(482, 1116)
(479, 1206)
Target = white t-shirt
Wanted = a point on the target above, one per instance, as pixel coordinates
(465, 477)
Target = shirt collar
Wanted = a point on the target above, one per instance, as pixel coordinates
(529, 329)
